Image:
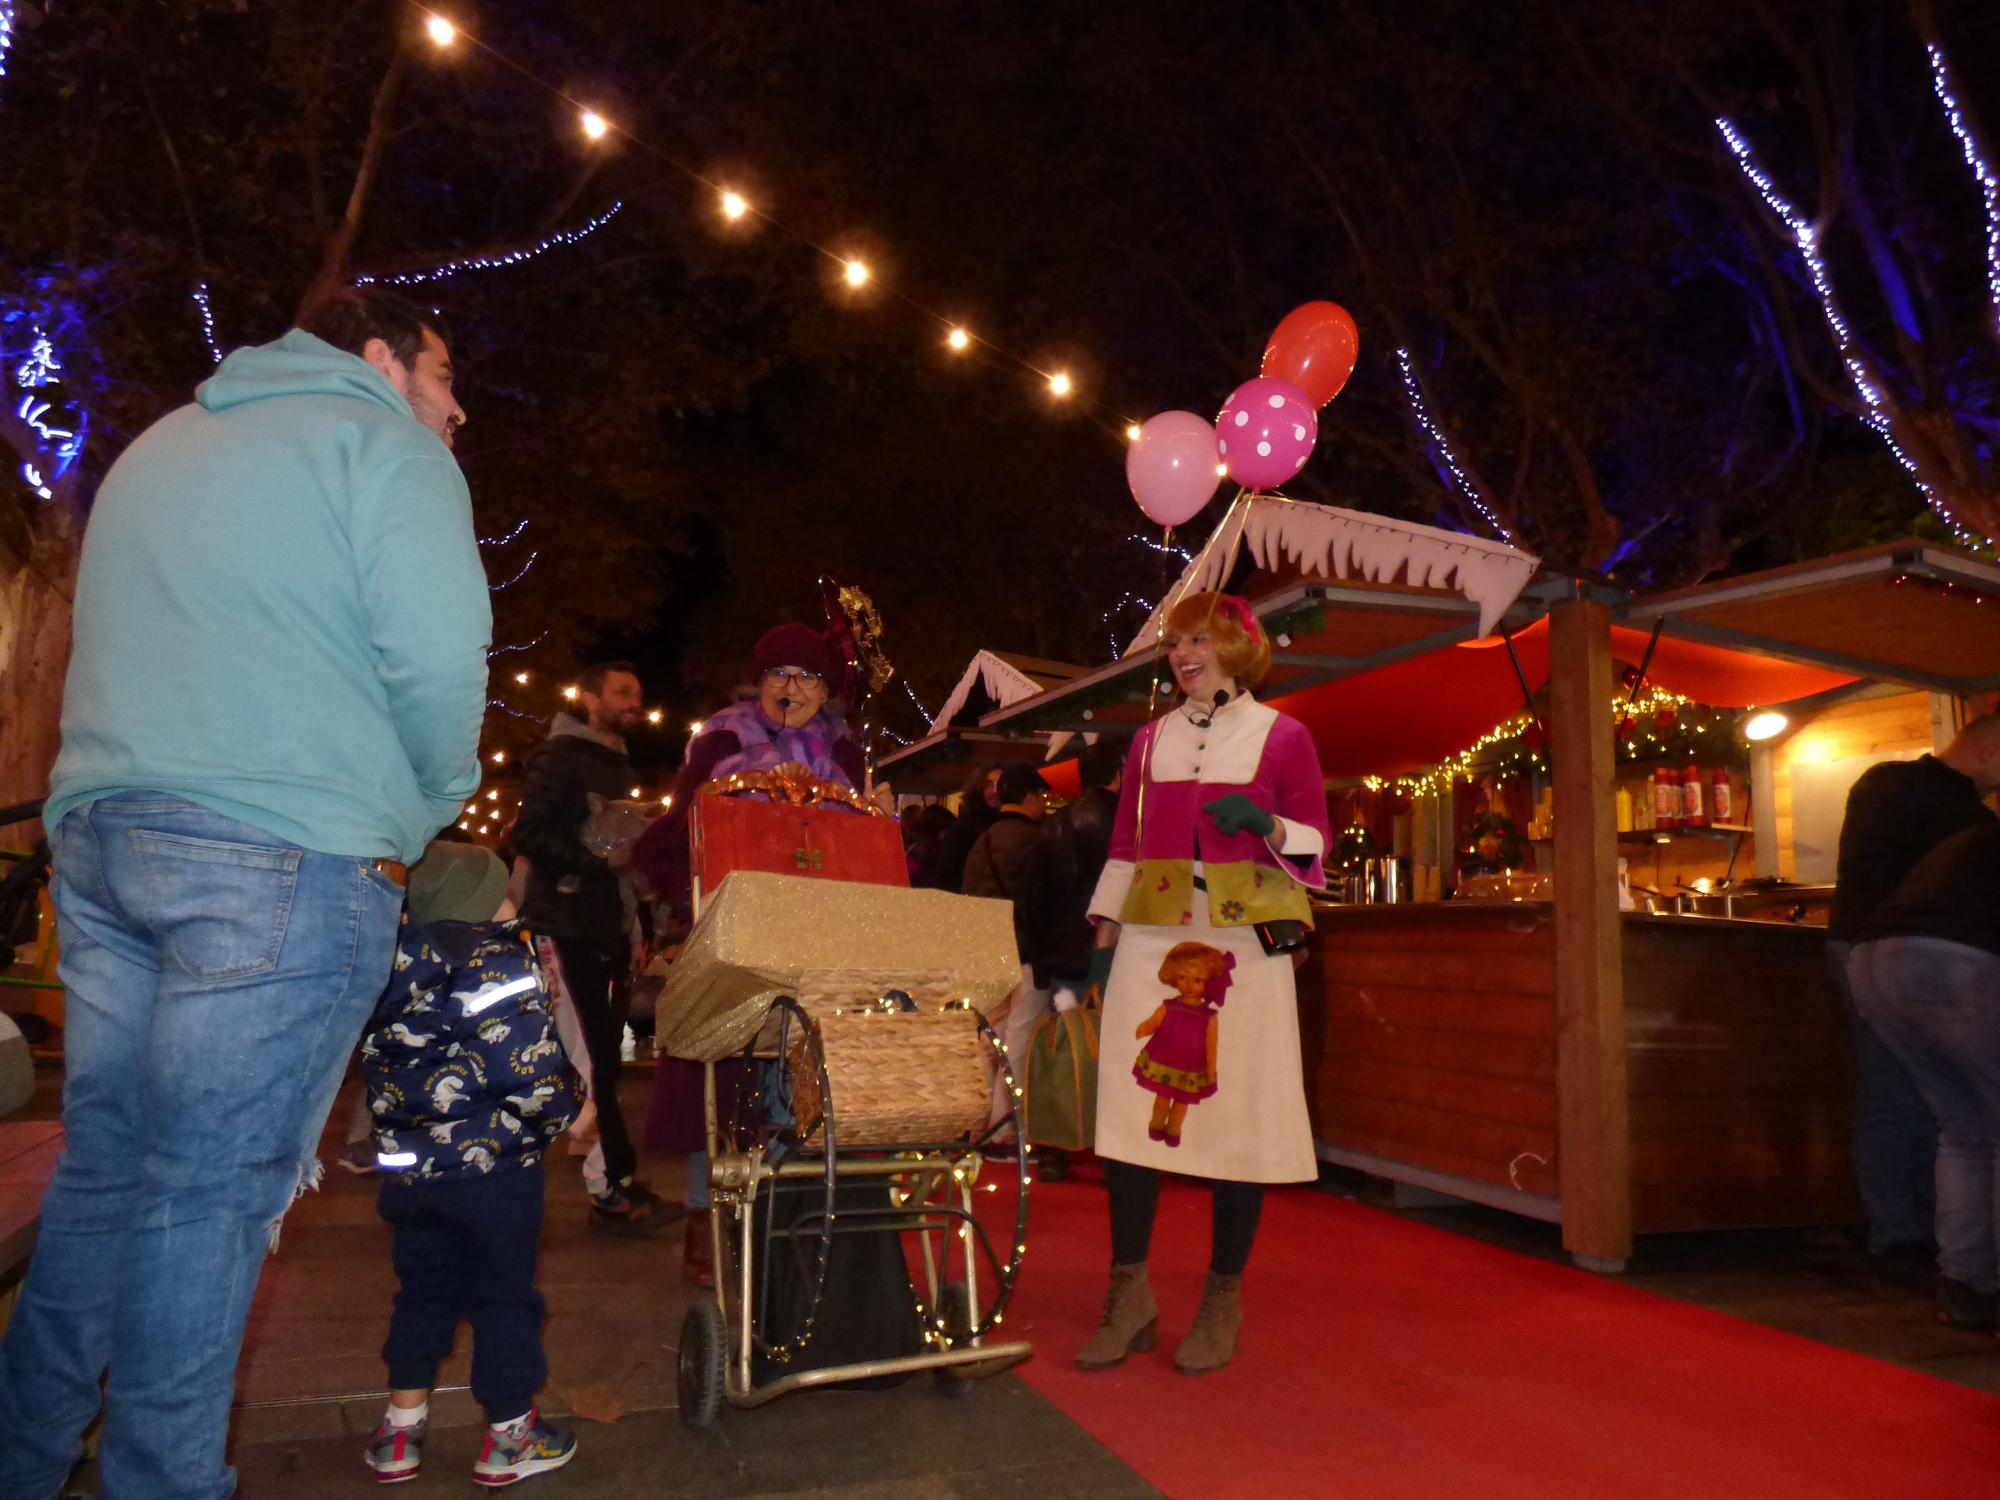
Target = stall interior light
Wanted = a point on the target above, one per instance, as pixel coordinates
(734, 206)
(856, 272)
(1767, 725)
(441, 32)
(958, 340)
(655, 716)
(595, 126)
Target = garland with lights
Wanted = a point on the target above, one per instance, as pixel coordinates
(1657, 725)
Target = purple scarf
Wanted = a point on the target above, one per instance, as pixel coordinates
(763, 745)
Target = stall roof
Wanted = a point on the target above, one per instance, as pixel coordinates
(1323, 631)
(1906, 612)
(943, 759)
(1391, 677)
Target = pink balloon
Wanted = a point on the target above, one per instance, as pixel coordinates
(1171, 467)
(1265, 432)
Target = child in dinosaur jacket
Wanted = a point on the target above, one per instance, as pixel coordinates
(468, 1087)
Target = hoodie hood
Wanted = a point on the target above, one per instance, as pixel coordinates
(568, 726)
(299, 364)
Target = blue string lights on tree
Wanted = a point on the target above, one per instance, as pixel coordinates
(6, 33)
(1982, 170)
(55, 422)
(496, 261)
(1806, 239)
(1449, 469)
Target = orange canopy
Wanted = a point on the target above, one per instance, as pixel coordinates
(1416, 713)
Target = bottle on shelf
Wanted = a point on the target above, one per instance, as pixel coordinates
(1722, 800)
(1693, 815)
(1624, 811)
(1642, 807)
(1666, 800)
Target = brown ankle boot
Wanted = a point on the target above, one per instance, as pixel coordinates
(1211, 1342)
(1130, 1321)
(698, 1251)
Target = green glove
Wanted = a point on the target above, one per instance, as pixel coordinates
(1236, 813)
(1100, 969)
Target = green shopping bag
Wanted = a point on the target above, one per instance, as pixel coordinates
(1059, 1096)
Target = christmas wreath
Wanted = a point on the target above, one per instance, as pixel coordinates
(1492, 842)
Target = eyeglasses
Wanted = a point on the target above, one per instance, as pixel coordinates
(793, 677)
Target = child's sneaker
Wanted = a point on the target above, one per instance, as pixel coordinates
(396, 1453)
(522, 1450)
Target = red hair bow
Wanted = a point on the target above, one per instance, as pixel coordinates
(1238, 609)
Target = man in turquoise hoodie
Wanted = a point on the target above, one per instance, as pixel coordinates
(274, 702)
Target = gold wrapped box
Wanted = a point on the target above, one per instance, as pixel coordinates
(829, 943)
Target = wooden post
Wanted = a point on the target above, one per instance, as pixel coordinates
(1592, 1132)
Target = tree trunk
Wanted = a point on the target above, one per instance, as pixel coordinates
(34, 655)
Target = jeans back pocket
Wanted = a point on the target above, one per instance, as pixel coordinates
(220, 909)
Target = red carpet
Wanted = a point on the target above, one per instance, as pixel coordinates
(1384, 1358)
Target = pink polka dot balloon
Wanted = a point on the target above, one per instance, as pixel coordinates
(1266, 432)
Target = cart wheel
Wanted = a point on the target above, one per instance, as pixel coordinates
(702, 1363)
(955, 1311)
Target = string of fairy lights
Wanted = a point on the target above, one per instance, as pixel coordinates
(1806, 238)
(1651, 703)
(734, 207)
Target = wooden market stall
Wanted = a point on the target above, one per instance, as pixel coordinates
(1617, 1072)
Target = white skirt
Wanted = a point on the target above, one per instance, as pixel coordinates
(1253, 1126)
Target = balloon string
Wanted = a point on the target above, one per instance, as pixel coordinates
(1159, 655)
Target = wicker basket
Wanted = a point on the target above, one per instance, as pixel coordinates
(897, 1077)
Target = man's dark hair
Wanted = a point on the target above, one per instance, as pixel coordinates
(1100, 763)
(592, 680)
(1018, 783)
(349, 316)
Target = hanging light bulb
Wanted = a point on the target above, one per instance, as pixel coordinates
(595, 125)
(1059, 384)
(734, 205)
(522, 678)
(498, 757)
(958, 340)
(655, 716)
(856, 272)
(1132, 433)
(570, 693)
(440, 31)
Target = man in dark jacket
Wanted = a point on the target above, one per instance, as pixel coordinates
(1001, 866)
(1070, 850)
(573, 898)
(1897, 813)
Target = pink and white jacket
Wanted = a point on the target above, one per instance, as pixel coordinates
(1157, 854)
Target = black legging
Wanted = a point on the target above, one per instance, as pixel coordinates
(588, 970)
(1135, 1196)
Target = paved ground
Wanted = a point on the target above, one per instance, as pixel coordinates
(311, 1378)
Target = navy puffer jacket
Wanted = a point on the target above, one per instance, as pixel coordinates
(464, 1072)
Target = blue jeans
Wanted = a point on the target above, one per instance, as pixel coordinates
(217, 979)
(1895, 1134)
(1936, 1005)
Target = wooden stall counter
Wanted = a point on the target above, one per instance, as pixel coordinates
(1429, 1034)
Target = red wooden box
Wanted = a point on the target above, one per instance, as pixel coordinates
(736, 833)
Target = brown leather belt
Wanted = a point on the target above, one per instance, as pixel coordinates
(392, 870)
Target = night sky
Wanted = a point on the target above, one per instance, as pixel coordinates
(698, 420)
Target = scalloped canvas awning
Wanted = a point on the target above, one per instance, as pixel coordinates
(1292, 539)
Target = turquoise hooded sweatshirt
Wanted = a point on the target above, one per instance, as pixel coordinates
(281, 613)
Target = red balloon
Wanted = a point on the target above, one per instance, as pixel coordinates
(1314, 349)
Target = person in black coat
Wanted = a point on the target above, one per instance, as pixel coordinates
(573, 898)
(1071, 847)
